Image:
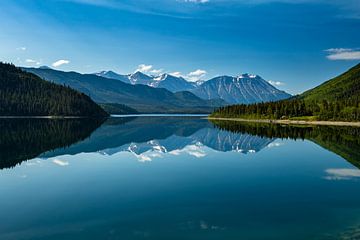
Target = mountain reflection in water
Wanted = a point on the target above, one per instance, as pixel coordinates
(149, 137)
(207, 180)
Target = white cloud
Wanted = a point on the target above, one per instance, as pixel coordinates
(176, 74)
(156, 71)
(148, 69)
(60, 62)
(21, 48)
(144, 68)
(32, 61)
(196, 75)
(343, 54)
(276, 83)
(193, 76)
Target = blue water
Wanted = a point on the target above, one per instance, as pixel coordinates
(181, 178)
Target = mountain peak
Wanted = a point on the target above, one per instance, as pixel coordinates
(113, 75)
(161, 77)
(245, 88)
(139, 78)
(45, 67)
(109, 72)
(138, 74)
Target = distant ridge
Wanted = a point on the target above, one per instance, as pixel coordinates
(45, 67)
(142, 98)
(245, 88)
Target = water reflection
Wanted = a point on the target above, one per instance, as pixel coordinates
(23, 139)
(220, 180)
(344, 141)
(151, 137)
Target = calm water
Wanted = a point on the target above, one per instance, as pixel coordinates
(177, 178)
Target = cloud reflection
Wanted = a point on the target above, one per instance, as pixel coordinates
(60, 163)
(342, 173)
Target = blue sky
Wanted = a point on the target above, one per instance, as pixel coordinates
(296, 44)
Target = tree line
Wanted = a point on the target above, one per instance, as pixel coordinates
(340, 110)
(25, 94)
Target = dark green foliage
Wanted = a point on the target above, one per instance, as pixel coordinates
(346, 110)
(343, 141)
(116, 108)
(23, 139)
(25, 94)
(337, 99)
(346, 86)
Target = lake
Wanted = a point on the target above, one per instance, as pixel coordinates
(177, 177)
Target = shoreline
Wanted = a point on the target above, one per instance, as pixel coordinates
(41, 117)
(111, 116)
(290, 122)
(160, 115)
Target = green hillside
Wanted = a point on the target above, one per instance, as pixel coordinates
(25, 94)
(335, 100)
(343, 87)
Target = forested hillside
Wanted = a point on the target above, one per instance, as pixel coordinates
(343, 87)
(116, 108)
(336, 99)
(25, 94)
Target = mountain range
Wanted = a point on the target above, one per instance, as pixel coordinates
(167, 81)
(142, 98)
(165, 93)
(245, 88)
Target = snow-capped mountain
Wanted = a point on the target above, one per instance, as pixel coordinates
(172, 83)
(165, 80)
(246, 88)
(141, 78)
(113, 75)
